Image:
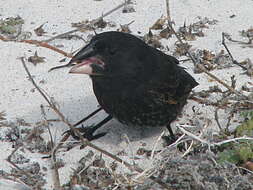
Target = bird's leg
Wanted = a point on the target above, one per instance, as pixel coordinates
(170, 130)
(87, 117)
(87, 132)
(169, 139)
(81, 121)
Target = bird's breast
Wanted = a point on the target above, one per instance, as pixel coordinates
(136, 106)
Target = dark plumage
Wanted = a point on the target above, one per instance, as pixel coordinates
(134, 82)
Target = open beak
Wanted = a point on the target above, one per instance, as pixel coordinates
(86, 61)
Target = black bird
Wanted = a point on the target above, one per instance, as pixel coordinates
(133, 82)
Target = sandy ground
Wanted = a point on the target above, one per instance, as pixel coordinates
(74, 95)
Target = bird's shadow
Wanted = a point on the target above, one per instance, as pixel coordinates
(76, 110)
(114, 129)
(116, 132)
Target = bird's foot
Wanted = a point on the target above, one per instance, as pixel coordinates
(86, 132)
(168, 140)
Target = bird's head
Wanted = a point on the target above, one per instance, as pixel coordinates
(109, 54)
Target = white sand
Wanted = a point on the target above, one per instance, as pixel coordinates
(74, 93)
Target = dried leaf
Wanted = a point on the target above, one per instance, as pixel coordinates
(249, 165)
(159, 24)
(128, 8)
(100, 23)
(36, 59)
(125, 28)
(181, 49)
(208, 55)
(39, 31)
(166, 33)
(247, 33)
(190, 32)
(2, 116)
(153, 40)
(11, 27)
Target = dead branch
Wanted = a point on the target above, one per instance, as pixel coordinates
(56, 178)
(38, 43)
(46, 45)
(61, 35)
(230, 55)
(111, 11)
(202, 68)
(168, 10)
(216, 117)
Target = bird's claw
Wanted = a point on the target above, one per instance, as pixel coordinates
(169, 139)
(87, 133)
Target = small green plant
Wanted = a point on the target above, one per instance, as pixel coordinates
(240, 151)
(245, 128)
(237, 152)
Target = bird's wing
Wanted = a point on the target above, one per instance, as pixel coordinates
(171, 83)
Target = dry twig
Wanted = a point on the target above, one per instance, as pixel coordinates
(233, 60)
(168, 10)
(56, 177)
(41, 44)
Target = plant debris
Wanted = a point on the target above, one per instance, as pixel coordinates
(35, 59)
(128, 7)
(125, 28)
(40, 31)
(90, 25)
(159, 24)
(2, 117)
(248, 34)
(210, 60)
(11, 27)
(249, 66)
(199, 172)
(181, 49)
(35, 177)
(153, 40)
(194, 30)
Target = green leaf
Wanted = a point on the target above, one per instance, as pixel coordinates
(245, 152)
(245, 129)
(228, 156)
